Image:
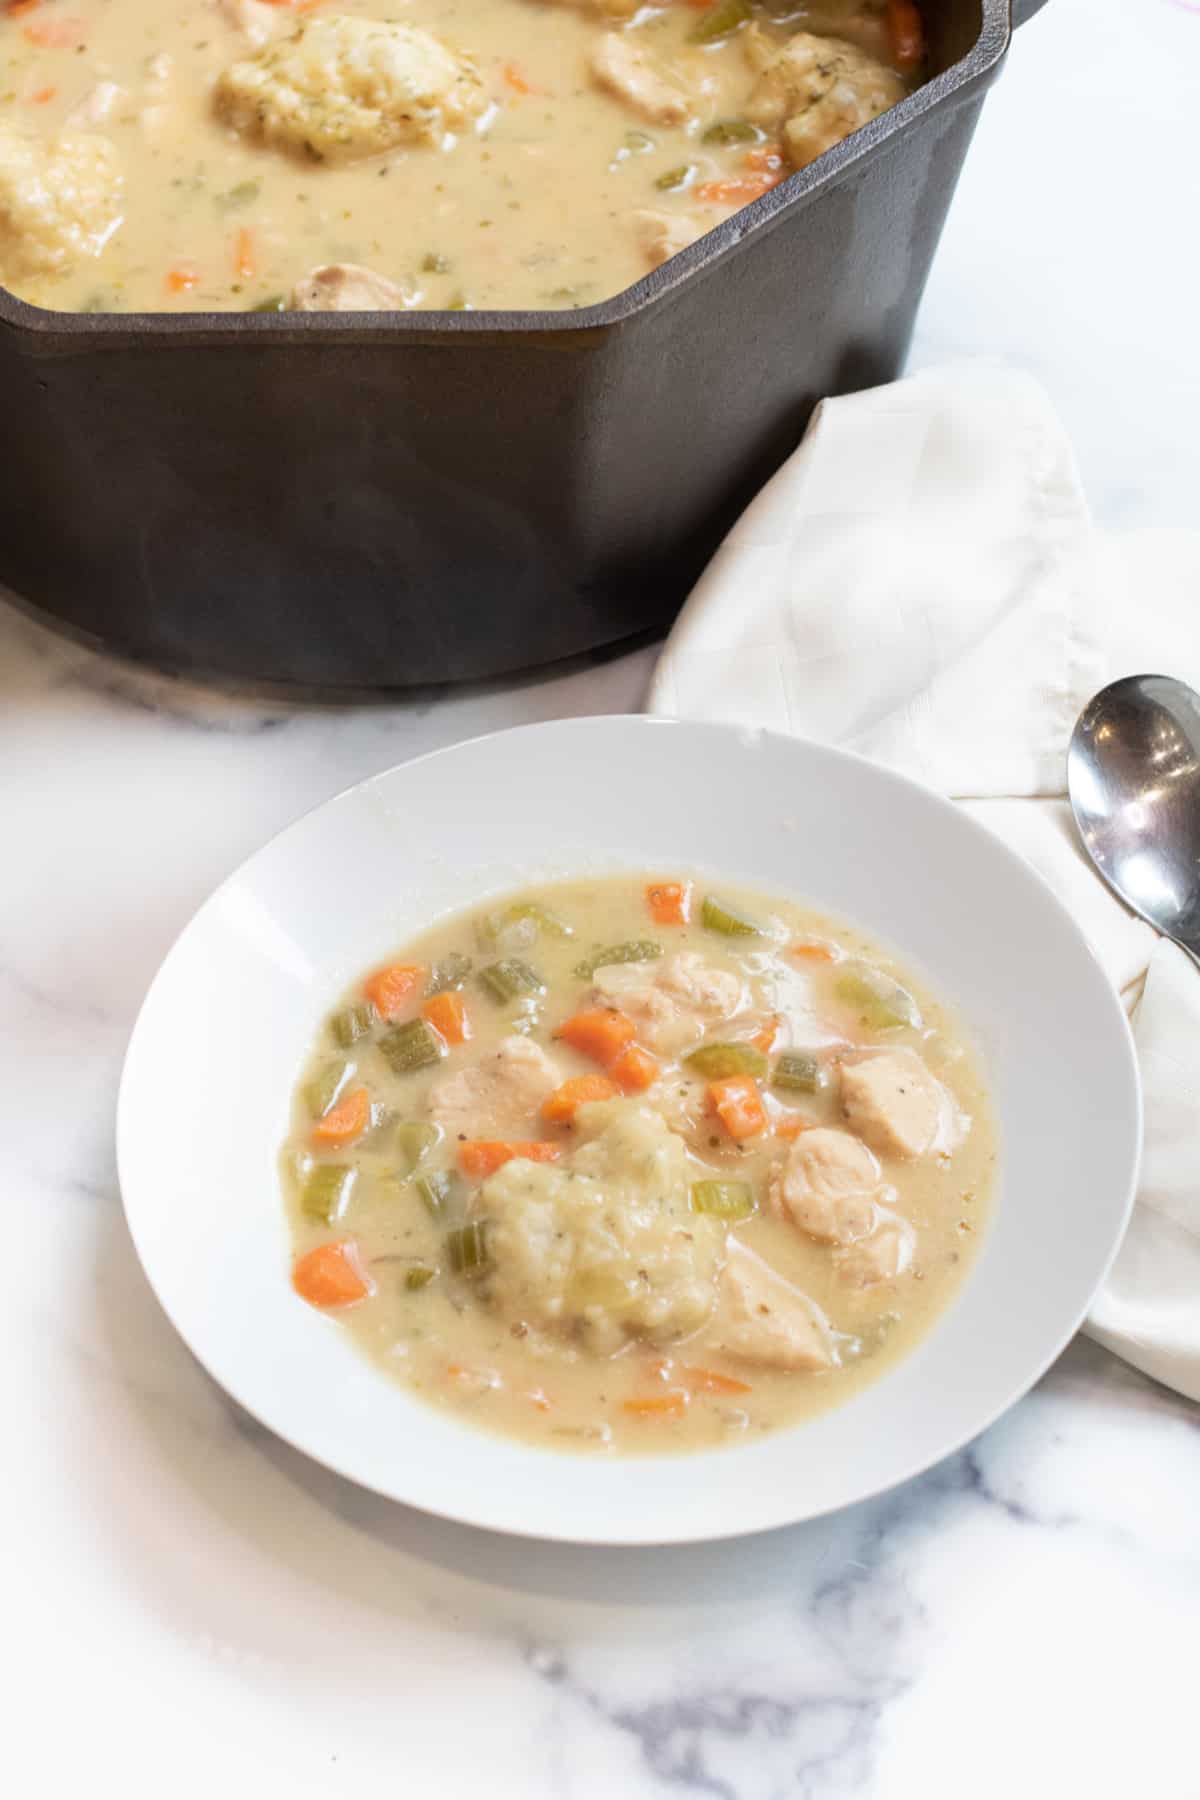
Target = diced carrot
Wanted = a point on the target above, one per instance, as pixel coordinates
(788, 1126)
(483, 1156)
(738, 1104)
(634, 1070)
(516, 80)
(702, 5)
(560, 1108)
(447, 1013)
(907, 34)
(669, 901)
(811, 953)
(671, 1405)
(711, 1381)
(739, 190)
(17, 7)
(56, 34)
(764, 159)
(245, 258)
(388, 989)
(182, 277)
(331, 1275)
(43, 96)
(346, 1121)
(601, 1033)
(764, 1040)
(297, 5)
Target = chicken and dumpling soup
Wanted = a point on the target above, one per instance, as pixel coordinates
(628, 1164)
(353, 155)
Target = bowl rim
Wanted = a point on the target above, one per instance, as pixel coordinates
(475, 1514)
(976, 68)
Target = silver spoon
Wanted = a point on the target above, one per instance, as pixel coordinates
(1133, 775)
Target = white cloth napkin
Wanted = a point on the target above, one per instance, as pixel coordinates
(921, 582)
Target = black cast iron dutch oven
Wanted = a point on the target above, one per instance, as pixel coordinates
(342, 501)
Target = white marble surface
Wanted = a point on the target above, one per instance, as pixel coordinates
(190, 1606)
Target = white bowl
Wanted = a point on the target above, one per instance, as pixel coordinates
(205, 1094)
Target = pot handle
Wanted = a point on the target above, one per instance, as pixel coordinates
(1025, 9)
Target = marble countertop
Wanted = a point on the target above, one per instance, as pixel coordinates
(191, 1605)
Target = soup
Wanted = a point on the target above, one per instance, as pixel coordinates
(628, 1165)
(160, 155)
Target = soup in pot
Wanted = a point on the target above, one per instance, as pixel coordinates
(632, 1165)
(160, 155)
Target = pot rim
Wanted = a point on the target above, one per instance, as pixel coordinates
(115, 330)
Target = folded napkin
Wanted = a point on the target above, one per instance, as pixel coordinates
(921, 582)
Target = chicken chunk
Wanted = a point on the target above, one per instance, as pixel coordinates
(59, 201)
(893, 1101)
(763, 1318)
(603, 1245)
(340, 88)
(701, 984)
(346, 287)
(628, 71)
(830, 1186)
(498, 1097)
(671, 1002)
(819, 90)
(664, 235)
(883, 1256)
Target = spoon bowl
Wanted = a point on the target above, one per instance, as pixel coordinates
(1133, 776)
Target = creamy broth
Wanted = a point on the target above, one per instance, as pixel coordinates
(747, 1224)
(125, 186)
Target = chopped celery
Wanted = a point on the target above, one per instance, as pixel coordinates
(636, 951)
(235, 197)
(723, 1199)
(733, 131)
(325, 1086)
(418, 1277)
(880, 1002)
(451, 972)
(505, 980)
(435, 1191)
(413, 1141)
(869, 1339)
(797, 1070)
(467, 1248)
(672, 179)
(715, 915)
(542, 917)
(719, 1060)
(352, 1023)
(381, 1121)
(519, 925)
(411, 1046)
(525, 1017)
(725, 17)
(327, 1191)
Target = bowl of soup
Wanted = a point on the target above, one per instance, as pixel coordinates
(629, 1131)
(361, 352)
